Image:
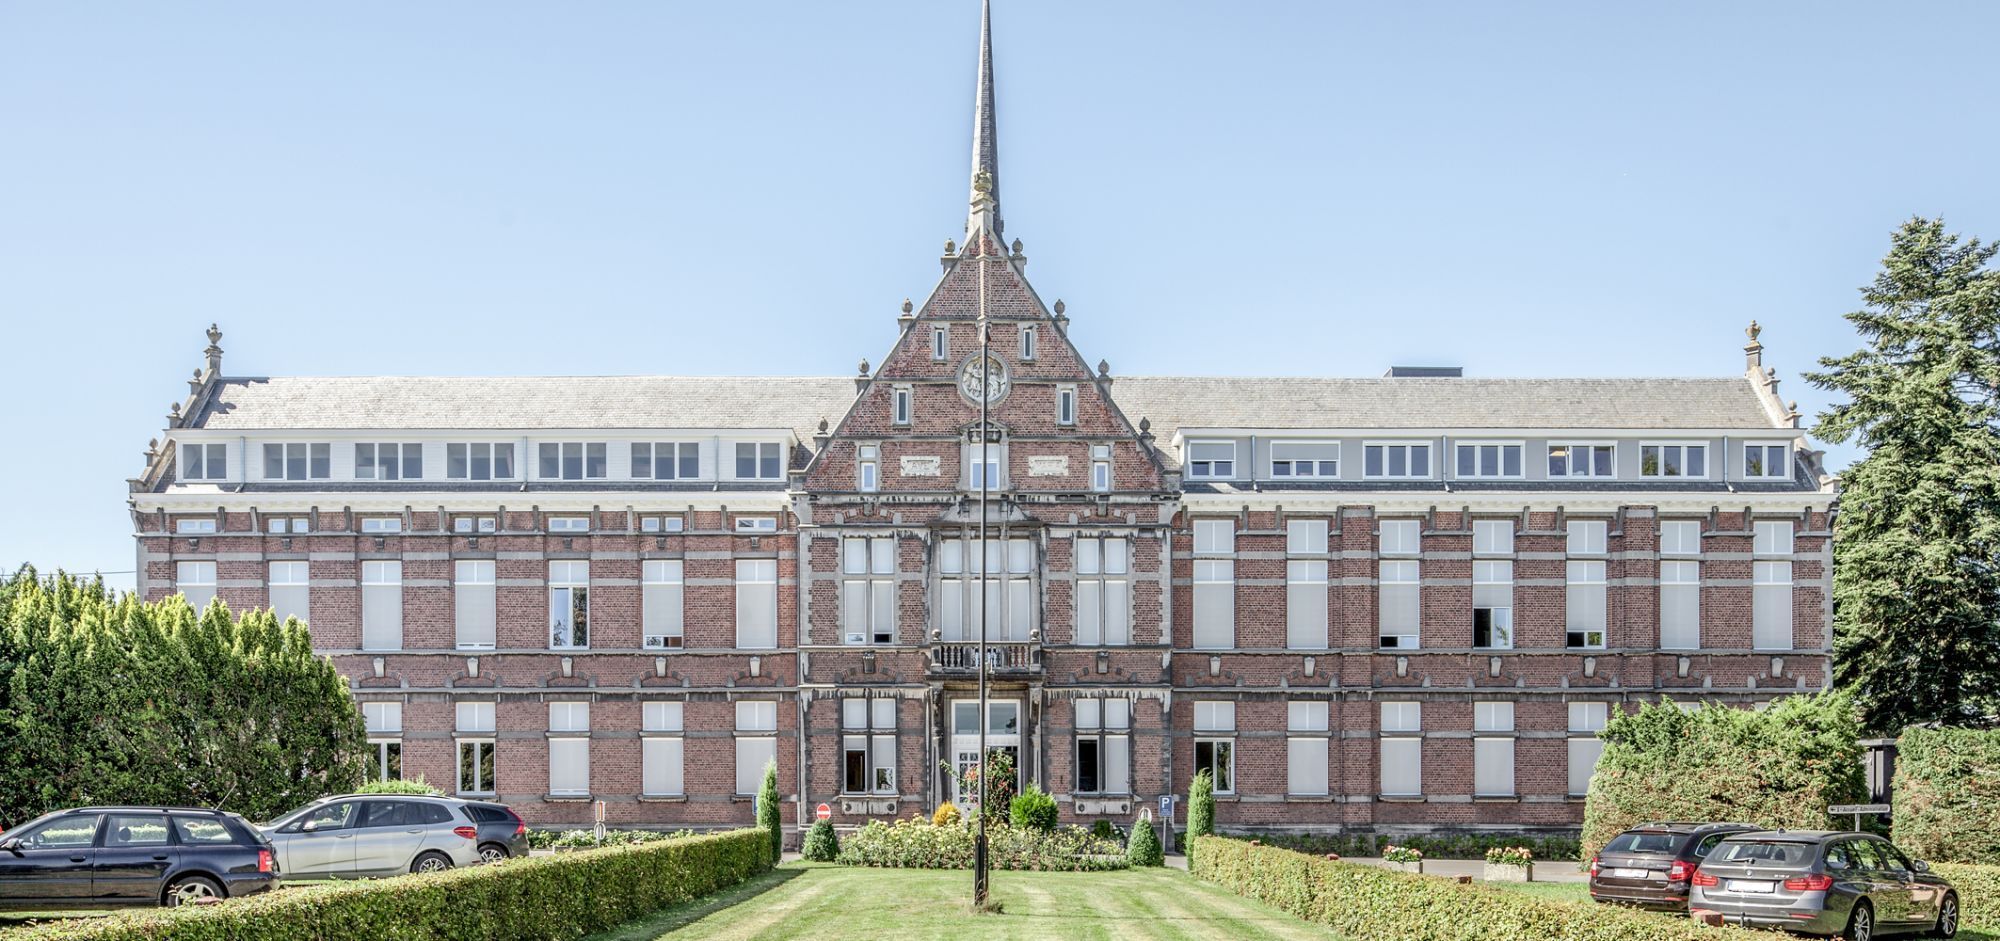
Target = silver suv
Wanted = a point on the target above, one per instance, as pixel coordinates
(360, 835)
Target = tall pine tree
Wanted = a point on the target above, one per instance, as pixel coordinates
(1916, 579)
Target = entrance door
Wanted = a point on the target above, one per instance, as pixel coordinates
(1003, 734)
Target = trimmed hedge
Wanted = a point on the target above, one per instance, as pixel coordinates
(542, 898)
(1364, 903)
(916, 843)
(1780, 767)
(1948, 794)
(1547, 848)
(1034, 808)
(1978, 893)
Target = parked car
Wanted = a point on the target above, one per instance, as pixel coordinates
(1854, 885)
(112, 857)
(359, 835)
(1650, 865)
(502, 832)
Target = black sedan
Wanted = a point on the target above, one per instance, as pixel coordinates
(113, 857)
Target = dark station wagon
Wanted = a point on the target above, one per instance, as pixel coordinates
(1652, 864)
(111, 857)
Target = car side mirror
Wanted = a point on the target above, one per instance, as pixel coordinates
(309, 826)
(11, 844)
(1920, 865)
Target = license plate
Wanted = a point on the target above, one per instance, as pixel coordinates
(1752, 888)
(1630, 873)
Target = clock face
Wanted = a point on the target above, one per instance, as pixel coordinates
(987, 379)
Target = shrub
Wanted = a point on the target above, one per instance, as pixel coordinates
(1106, 830)
(1433, 846)
(542, 898)
(1780, 767)
(400, 786)
(1948, 794)
(767, 810)
(1368, 903)
(1144, 847)
(1403, 854)
(999, 794)
(822, 844)
(1978, 893)
(587, 839)
(1510, 856)
(1201, 808)
(1034, 809)
(919, 844)
(946, 815)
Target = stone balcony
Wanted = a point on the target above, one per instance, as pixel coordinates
(1003, 658)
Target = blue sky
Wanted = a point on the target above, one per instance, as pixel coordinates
(614, 188)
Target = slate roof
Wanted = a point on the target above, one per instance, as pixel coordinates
(1174, 402)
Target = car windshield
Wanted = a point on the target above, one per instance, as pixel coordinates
(1644, 841)
(1763, 852)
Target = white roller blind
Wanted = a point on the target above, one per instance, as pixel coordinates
(1305, 605)
(662, 603)
(1306, 766)
(662, 772)
(473, 605)
(756, 603)
(1214, 604)
(1493, 767)
(1771, 627)
(382, 605)
(1305, 537)
(1583, 755)
(1400, 606)
(1585, 602)
(569, 766)
(1680, 605)
(1402, 767)
(290, 594)
(752, 754)
(196, 583)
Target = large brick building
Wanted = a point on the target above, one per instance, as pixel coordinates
(1370, 603)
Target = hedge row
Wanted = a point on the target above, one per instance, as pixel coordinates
(1978, 893)
(1948, 794)
(916, 843)
(542, 898)
(1364, 903)
(1550, 848)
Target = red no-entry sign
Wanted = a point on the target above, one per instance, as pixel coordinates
(823, 812)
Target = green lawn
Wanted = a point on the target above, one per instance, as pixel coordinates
(818, 901)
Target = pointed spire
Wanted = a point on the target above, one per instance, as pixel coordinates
(985, 139)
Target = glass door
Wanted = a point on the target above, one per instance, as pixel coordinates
(1003, 736)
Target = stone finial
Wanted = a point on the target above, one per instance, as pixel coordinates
(1753, 352)
(982, 183)
(1103, 369)
(1752, 331)
(214, 350)
(152, 449)
(1017, 248)
(194, 381)
(1145, 425)
(907, 306)
(174, 411)
(822, 426)
(1060, 307)
(950, 247)
(863, 368)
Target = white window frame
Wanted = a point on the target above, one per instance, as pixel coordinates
(755, 524)
(203, 461)
(566, 578)
(1307, 724)
(868, 728)
(1066, 406)
(902, 405)
(757, 727)
(1493, 537)
(406, 457)
(1586, 573)
(1399, 537)
(1586, 720)
(569, 524)
(1306, 604)
(1212, 629)
(648, 458)
(1681, 450)
(995, 464)
(467, 457)
(868, 595)
(1011, 586)
(1100, 468)
(1500, 622)
(761, 576)
(1400, 728)
(1764, 450)
(1686, 537)
(1478, 451)
(382, 574)
(940, 343)
(1103, 591)
(588, 455)
(1408, 572)
(868, 468)
(1682, 575)
(291, 575)
(475, 573)
(1215, 536)
(473, 525)
(1774, 538)
(662, 724)
(1493, 741)
(1408, 449)
(317, 455)
(1215, 727)
(1571, 468)
(668, 579)
(1589, 537)
(1211, 468)
(1106, 723)
(1300, 465)
(766, 455)
(476, 727)
(1029, 342)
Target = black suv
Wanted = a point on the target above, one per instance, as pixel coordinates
(502, 832)
(1651, 864)
(110, 857)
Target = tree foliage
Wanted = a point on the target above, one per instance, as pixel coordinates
(1201, 808)
(1781, 767)
(1035, 809)
(105, 699)
(767, 811)
(1948, 794)
(1917, 541)
(1143, 848)
(822, 844)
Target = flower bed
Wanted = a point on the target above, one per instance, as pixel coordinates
(916, 843)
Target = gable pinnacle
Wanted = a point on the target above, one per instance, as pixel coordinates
(985, 212)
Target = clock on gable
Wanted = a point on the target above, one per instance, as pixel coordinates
(985, 378)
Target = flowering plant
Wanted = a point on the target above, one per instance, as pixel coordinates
(1510, 855)
(1402, 854)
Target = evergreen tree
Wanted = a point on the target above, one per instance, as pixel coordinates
(767, 810)
(1917, 536)
(1201, 809)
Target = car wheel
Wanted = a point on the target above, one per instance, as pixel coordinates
(184, 890)
(432, 861)
(1947, 923)
(1861, 924)
(492, 853)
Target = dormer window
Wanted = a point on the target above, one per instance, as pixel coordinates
(1387, 459)
(1673, 460)
(1485, 459)
(1211, 459)
(1582, 460)
(573, 460)
(298, 461)
(1767, 461)
(388, 461)
(1028, 342)
(759, 460)
(204, 462)
(666, 460)
(483, 461)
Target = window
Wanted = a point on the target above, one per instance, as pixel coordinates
(475, 748)
(569, 524)
(1103, 746)
(1211, 459)
(1100, 468)
(1396, 460)
(1493, 604)
(1673, 460)
(1772, 461)
(388, 461)
(1400, 537)
(985, 466)
(1305, 537)
(123, 830)
(1583, 460)
(868, 468)
(381, 605)
(667, 524)
(385, 743)
(1214, 537)
(1214, 585)
(940, 343)
(899, 399)
(573, 460)
(298, 461)
(1489, 460)
(1680, 537)
(1771, 614)
(569, 756)
(1583, 616)
(868, 589)
(661, 750)
(756, 742)
(1399, 607)
(1586, 719)
(756, 524)
(474, 605)
(379, 525)
(1215, 743)
(480, 461)
(661, 603)
(1588, 537)
(1493, 537)
(1028, 342)
(473, 525)
(204, 462)
(1065, 405)
(1492, 754)
(1305, 459)
(868, 746)
(1103, 591)
(291, 594)
(1010, 605)
(1305, 604)
(280, 525)
(196, 583)
(569, 605)
(1680, 604)
(666, 460)
(756, 604)
(759, 460)
(1305, 748)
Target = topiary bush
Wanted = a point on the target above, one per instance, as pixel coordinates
(918, 844)
(1368, 903)
(1201, 808)
(1144, 847)
(946, 815)
(541, 898)
(822, 844)
(1035, 809)
(400, 786)
(1947, 794)
(1780, 767)
(767, 811)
